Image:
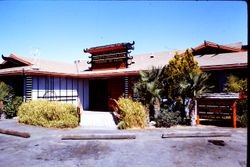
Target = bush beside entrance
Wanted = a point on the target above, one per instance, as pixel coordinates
(48, 114)
(132, 114)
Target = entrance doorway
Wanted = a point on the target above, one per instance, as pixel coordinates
(98, 95)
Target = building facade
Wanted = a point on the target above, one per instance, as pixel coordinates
(110, 72)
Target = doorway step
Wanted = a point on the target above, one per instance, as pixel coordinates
(97, 120)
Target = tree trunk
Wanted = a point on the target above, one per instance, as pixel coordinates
(151, 112)
(183, 112)
(156, 108)
(194, 113)
(1, 108)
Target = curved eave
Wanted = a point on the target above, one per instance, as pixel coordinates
(106, 48)
(224, 67)
(14, 57)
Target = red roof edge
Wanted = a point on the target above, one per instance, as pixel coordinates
(214, 45)
(224, 67)
(104, 48)
(18, 59)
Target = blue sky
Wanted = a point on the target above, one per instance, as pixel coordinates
(60, 30)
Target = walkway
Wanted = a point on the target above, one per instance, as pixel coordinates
(97, 120)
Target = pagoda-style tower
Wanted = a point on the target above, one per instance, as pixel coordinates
(114, 56)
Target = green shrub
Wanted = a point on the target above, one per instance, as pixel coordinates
(48, 114)
(5, 90)
(235, 84)
(243, 119)
(167, 118)
(242, 108)
(9, 103)
(133, 114)
(11, 106)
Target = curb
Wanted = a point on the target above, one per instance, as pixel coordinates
(15, 133)
(99, 137)
(196, 134)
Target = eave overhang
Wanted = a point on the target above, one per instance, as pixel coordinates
(224, 67)
(88, 75)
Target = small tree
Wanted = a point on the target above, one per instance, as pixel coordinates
(183, 78)
(178, 67)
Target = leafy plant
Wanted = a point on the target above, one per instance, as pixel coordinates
(132, 114)
(234, 84)
(148, 89)
(48, 114)
(194, 85)
(9, 103)
(11, 106)
(243, 119)
(5, 90)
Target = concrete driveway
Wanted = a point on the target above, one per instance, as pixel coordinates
(45, 147)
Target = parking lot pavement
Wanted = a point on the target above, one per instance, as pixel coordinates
(45, 147)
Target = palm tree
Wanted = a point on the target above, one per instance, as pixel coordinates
(193, 86)
(148, 90)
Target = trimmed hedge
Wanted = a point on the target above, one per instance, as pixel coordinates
(48, 114)
(133, 114)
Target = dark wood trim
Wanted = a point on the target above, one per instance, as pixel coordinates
(60, 85)
(38, 89)
(72, 87)
(66, 87)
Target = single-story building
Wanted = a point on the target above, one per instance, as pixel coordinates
(110, 73)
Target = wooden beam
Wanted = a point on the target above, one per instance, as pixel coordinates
(99, 137)
(15, 133)
(195, 134)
